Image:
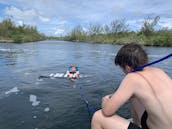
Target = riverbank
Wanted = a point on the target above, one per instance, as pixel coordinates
(162, 40)
(118, 32)
(18, 41)
(6, 41)
(120, 41)
(115, 33)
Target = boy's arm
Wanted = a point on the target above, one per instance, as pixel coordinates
(67, 72)
(126, 89)
(77, 70)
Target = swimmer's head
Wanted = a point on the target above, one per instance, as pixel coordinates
(72, 65)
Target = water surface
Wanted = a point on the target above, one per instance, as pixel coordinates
(55, 103)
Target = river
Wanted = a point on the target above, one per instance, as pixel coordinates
(27, 102)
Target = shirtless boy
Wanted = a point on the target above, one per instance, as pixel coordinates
(149, 91)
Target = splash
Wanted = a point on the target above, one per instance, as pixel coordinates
(13, 90)
(33, 100)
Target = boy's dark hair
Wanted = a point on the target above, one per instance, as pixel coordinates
(132, 55)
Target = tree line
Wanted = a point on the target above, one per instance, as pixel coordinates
(9, 32)
(118, 32)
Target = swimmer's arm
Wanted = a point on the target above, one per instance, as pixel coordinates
(77, 70)
(67, 72)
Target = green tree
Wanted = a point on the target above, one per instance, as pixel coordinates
(76, 34)
(148, 26)
(6, 28)
(94, 29)
(24, 33)
(118, 26)
(106, 29)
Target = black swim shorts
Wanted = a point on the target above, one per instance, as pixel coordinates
(143, 123)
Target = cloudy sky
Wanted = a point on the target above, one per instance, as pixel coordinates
(57, 17)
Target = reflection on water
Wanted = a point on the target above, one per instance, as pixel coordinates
(28, 101)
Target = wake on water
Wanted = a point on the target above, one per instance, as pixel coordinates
(59, 75)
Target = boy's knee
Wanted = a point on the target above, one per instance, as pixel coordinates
(95, 119)
(96, 116)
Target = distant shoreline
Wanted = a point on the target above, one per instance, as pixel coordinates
(6, 41)
(120, 43)
(12, 41)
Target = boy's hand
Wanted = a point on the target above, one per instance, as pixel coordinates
(105, 99)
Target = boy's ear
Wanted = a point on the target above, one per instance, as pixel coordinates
(128, 69)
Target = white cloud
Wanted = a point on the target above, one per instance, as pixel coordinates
(166, 23)
(85, 29)
(20, 23)
(20, 14)
(94, 10)
(59, 32)
(135, 24)
(65, 14)
(44, 19)
(61, 22)
(26, 16)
